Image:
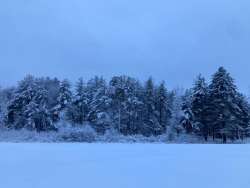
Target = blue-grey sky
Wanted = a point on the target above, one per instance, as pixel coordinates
(172, 40)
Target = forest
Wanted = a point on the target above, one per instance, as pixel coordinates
(210, 110)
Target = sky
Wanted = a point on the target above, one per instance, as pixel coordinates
(171, 40)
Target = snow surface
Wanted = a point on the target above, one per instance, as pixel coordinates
(124, 166)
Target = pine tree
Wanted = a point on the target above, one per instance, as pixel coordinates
(126, 105)
(28, 108)
(243, 117)
(163, 107)
(187, 119)
(80, 103)
(151, 124)
(65, 94)
(52, 86)
(120, 88)
(175, 127)
(132, 106)
(199, 106)
(36, 112)
(222, 105)
(99, 103)
(22, 97)
(64, 99)
(5, 96)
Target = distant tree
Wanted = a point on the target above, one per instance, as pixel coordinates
(125, 103)
(28, 107)
(117, 93)
(53, 88)
(5, 96)
(187, 120)
(243, 117)
(65, 94)
(63, 100)
(222, 105)
(37, 114)
(199, 105)
(175, 127)
(22, 97)
(163, 107)
(99, 104)
(133, 106)
(151, 124)
(80, 103)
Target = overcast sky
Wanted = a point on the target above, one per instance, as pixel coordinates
(172, 40)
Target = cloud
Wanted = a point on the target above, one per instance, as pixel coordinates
(170, 40)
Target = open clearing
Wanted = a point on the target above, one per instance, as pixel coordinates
(124, 166)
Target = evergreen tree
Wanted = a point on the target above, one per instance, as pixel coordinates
(222, 105)
(52, 86)
(22, 97)
(243, 117)
(151, 124)
(132, 107)
(120, 91)
(80, 103)
(36, 112)
(126, 107)
(117, 94)
(99, 104)
(5, 96)
(163, 107)
(187, 119)
(28, 108)
(175, 127)
(64, 99)
(199, 106)
(65, 94)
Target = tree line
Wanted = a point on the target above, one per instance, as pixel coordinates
(214, 110)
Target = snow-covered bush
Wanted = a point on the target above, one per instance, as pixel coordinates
(79, 133)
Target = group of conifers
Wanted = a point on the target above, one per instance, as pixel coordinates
(209, 110)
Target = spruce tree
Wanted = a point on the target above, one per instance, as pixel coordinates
(22, 97)
(80, 103)
(222, 105)
(163, 107)
(151, 124)
(99, 104)
(117, 93)
(243, 117)
(175, 127)
(187, 118)
(132, 106)
(199, 106)
(29, 106)
(122, 94)
(37, 112)
(64, 99)
(126, 105)
(65, 94)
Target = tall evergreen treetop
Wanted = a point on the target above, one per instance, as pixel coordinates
(223, 85)
(199, 105)
(163, 106)
(65, 94)
(199, 98)
(222, 101)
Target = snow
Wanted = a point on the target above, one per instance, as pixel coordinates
(124, 166)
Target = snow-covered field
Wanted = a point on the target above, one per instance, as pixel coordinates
(124, 166)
